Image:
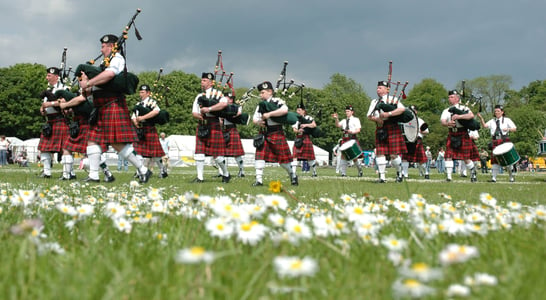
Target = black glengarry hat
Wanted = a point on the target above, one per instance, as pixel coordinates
(266, 85)
(54, 70)
(108, 38)
(207, 75)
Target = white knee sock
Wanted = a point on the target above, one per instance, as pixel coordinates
(221, 161)
(449, 168)
(405, 168)
(259, 165)
(200, 165)
(94, 153)
(127, 153)
(45, 157)
(381, 166)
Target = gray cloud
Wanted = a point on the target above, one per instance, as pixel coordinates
(445, 40)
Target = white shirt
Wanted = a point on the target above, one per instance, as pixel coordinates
(149, 103)
(505, 124)
(391, 100)
(306, 117)
(165, 145)
(57, 87)
(354, 124)
(446, 115)
(210, 93)
(258, 116)
(117, 64)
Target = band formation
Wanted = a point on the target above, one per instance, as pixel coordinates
(98, 116)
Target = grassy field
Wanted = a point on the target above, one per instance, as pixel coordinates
(328, 238)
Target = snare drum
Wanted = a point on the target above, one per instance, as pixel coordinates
(350, 150)
(506, 154)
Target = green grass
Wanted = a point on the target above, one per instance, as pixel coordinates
(100, 262)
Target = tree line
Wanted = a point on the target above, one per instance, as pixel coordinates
(22, 84)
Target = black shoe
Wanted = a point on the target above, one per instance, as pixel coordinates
(136, 175)
(42, 175)
(294, 180)
(492, 180)
(473, 179)
(241, 174)
(343, 175)
(399, 179)
(359, 173)
(72, 177)
(163, 175)
(225, 179)
(219, 175)
(380, 181)
(257, 183)
(144, 178)
(64, 178)
(448, 180)
(110, 178)
(427, 176)
(512, 179)
(197, 180)
(315, 174)
(89, 179)
(464, 176)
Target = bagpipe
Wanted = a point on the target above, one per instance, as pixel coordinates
(291, 117)
(83, 108)
(124, 82)
(471, 124)
(391, 103)
(159, 93)
(231, 111)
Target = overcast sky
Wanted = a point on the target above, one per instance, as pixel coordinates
(448, 41)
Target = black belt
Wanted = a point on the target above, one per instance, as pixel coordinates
(274, 128)
(106, 94)
(230, 126)
(349, 135)
(453, 129)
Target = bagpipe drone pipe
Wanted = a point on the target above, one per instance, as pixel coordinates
(124, 82)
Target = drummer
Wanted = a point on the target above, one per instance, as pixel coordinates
(388, 134)
(499, 127)
(351, 127)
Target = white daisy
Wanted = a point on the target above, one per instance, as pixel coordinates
(411, 288)
(290, 266)
(218, 227)
(123, 225)
(458, 290)
(250, 233)
(194, 255)
(454, 253)
(421, 271)
(394, 244)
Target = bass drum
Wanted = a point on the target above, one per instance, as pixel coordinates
(506, 154)
(350, 149)
(411, 128)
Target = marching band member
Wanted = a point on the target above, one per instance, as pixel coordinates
(459, 144)
(388, 134)
(234, 146)
(79, 106)
(500, 127)
(209, 139)
(275, 147)
(149, 146)
(351, 127)
(303, 150)
(416, 151)
(53, 141)
(113, 125)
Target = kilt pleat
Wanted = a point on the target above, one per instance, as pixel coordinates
(59, 134)
(213, 145)
(235, 147)
(275, 149)
(418, 155)
(114, 124)
(306, 151)
(394, 144)
(468, 149)
(150, 146)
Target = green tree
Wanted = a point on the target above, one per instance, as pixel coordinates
(19, 99)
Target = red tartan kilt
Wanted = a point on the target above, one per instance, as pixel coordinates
(235, 147)
(55, 142)
(150, 146)
(305, 152)
(468, 149)
(275, 149)
(213, 145)
(395, 143)
(114, 123)
(418, 155)
(495, 144)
